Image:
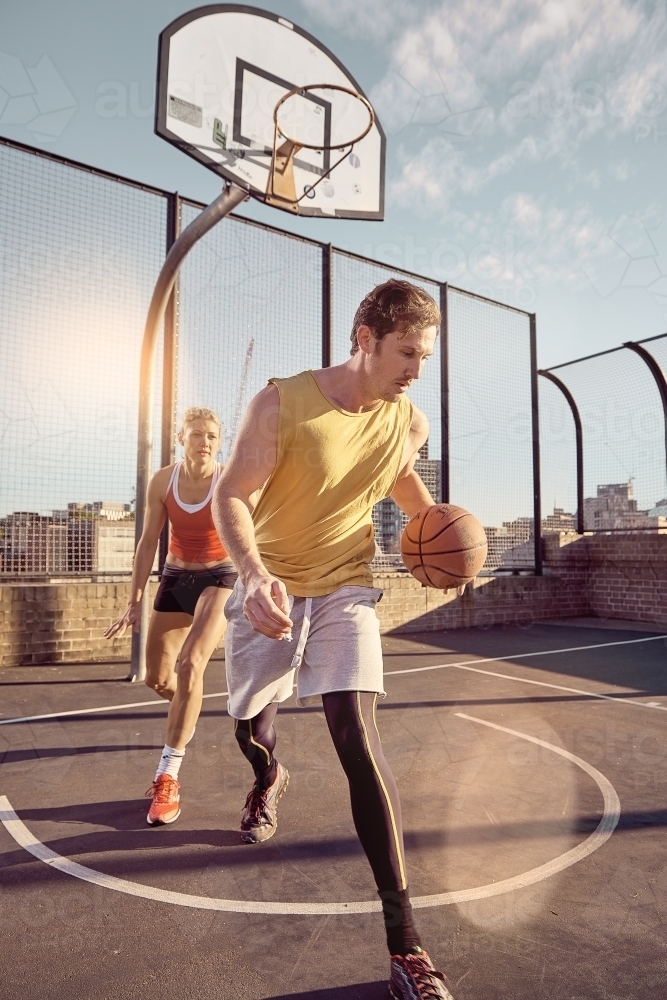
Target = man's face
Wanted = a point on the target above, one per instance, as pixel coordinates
(397, 360)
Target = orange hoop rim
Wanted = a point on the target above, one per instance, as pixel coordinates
(324, 86)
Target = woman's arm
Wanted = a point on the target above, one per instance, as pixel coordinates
(144, 557)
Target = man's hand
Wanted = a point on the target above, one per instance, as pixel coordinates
(266, 606)
(460, 590)
(131, 618)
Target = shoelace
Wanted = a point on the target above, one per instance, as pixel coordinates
(160, 791)
(255, 804)
(423, 975)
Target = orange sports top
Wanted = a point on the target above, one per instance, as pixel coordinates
(193, 537)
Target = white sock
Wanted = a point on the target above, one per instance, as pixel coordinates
(170, 762)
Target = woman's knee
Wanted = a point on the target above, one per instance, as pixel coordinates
(160, 681)
(191, 667)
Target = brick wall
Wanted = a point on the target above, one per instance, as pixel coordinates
(61, 623)
(622, 576)
(619, 576)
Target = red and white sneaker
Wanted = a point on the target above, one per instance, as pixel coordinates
(414, 978)
(165, 807)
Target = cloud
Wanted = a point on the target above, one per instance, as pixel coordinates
(376, 19)
(428, 84)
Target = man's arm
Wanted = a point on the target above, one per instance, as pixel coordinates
(410, 492)
(253, 459)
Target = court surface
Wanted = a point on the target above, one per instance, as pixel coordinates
(532, 766)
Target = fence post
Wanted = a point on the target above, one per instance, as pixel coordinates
(231, 196)
(327, 304)
(579, 440)
(658, 375)
(444, 395)
(537, 498)
(169, 363)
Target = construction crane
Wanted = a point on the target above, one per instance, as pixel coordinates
(240, 396)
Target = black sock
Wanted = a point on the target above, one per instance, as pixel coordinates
(402, 936)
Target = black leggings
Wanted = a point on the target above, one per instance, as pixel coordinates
(376, 809)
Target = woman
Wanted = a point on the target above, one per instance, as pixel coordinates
(188, 617)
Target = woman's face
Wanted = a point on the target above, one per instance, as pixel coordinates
(200, 439)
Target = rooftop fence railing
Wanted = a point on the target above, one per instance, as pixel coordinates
(604, 438)
(81, 251)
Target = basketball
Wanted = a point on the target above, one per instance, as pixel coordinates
(443, 546)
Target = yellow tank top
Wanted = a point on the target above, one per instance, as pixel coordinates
(313, 520)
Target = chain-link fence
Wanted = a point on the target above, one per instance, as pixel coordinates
(612, 474)
(81, 252)
(492, 421)
(80, 255)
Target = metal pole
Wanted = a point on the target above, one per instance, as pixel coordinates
(212, 214)
(579, 440)
(658, 375)
(327, 305)
(169, 362)
(444, 395)
(537, 504)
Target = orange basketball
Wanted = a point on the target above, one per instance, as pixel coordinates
(443, 546)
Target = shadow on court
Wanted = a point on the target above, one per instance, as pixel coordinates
(360, 991)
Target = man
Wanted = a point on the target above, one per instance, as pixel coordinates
(326, 446)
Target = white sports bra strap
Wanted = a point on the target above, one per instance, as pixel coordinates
(191, 508)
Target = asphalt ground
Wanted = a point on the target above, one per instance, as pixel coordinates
(511, 758)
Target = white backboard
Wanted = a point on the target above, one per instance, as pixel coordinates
(221, 71)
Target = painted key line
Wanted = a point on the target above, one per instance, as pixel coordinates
(610, 816)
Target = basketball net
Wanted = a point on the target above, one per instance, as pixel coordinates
(281, 188)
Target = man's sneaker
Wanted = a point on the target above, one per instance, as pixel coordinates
(259, 819)
(165, 807)
(414, 978)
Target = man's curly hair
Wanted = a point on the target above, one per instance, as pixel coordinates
(394, 305)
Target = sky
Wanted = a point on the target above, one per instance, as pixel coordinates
(527, 139)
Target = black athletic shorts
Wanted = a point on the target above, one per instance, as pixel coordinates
(180, 589)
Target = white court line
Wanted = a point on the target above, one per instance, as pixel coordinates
(560, 687)
(524, 680)
(390, 673)
(520, 656)
(610, 816)
(94, 711)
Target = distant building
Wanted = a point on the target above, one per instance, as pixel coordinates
(389, 520)
(109, 510)
(559, 521)
(86, 539)
(660, 509)
(511, 546)
(31, 544)
(615, 509)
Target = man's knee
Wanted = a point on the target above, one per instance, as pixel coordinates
(350, 744)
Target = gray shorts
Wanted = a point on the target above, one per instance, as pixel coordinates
(336, 646)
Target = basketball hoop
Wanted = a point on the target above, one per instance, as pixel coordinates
(281, 188)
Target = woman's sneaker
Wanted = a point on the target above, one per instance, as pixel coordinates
(414, 978)
(165, 807)
(259, 819)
